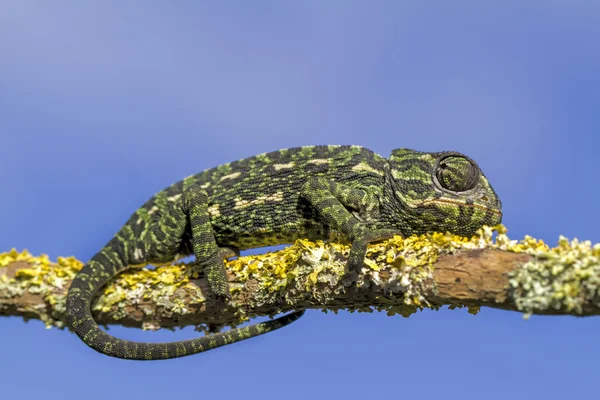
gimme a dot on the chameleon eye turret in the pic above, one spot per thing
(456, 174)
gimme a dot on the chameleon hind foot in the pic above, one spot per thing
(216, 274)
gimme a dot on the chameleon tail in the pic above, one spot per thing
(101, 268)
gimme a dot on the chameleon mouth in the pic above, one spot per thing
(457, 203)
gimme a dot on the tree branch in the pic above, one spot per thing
(400, 276)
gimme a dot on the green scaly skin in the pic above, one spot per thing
(275, 198)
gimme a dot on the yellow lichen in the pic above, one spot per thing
(564, 277)
(13, 256)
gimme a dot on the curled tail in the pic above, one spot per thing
(101, 268)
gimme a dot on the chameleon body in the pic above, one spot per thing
(276, 198)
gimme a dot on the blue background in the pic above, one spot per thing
(104, 103)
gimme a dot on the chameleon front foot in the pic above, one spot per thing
(358, 250)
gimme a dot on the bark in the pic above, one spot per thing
(400, 277)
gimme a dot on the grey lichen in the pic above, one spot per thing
(566, 277)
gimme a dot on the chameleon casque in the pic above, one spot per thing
(276, 198)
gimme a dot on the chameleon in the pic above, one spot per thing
(275, 198)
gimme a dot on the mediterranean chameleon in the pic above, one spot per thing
(276, 198)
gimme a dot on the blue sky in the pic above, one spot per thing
(104, 103)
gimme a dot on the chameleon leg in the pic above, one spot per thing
(332, 200)
(209, 257)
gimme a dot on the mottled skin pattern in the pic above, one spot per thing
(275, 198)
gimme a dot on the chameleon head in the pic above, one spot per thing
(443, 192)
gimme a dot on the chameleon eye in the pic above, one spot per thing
(457, 174)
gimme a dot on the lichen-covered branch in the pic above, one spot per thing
(400, 276)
